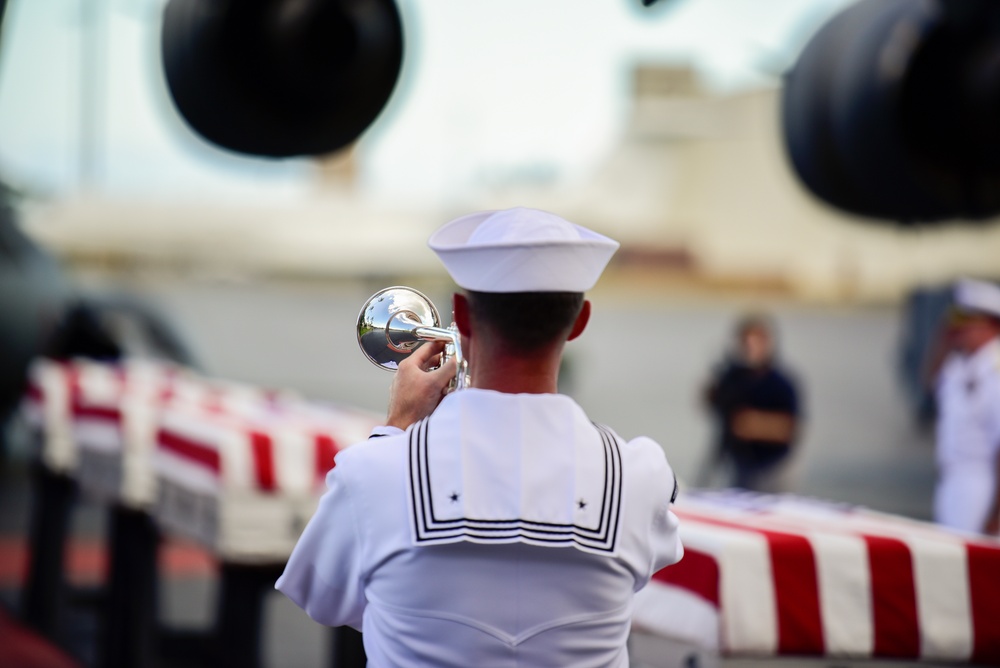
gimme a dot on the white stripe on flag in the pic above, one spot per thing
(294, 460)
(844, 594)
(747, 594)
(673, 612)
(746, 587)
(185, 473)
(941, 574)
(237, 458)
(97, 434)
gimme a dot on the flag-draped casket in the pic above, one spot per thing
(783, 575)
(234, 466)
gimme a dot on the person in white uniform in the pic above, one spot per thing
(968, 427)
(497, 526)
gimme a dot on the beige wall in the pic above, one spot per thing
(694, 175)
(711, 173)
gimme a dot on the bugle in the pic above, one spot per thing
(396, 320)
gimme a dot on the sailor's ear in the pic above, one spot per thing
(460, 311)
(581, 321)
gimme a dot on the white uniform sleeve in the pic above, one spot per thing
(667, 547)
(665, 536)
(658, 484)
(324, 576)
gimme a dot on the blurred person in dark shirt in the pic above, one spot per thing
(757, 408)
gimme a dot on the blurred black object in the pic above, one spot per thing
(80, 333)
(108, 327)
(924, 314)
(281, 78)
(893, 110)
(33, 292)
(41, 313)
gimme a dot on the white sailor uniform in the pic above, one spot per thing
(968, 437)
(503, 530)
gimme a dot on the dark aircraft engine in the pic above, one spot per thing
(281, 78)
(893, 110)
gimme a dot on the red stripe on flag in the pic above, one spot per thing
(97, 412)
(796, 585)
(84, 410)
(984, 592)
(894, 598)
(263, 460)
(697, 572)
(796, 592)
(326, 450)
(190, 450)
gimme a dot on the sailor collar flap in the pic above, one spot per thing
(497, 468)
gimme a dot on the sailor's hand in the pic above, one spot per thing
(417, 388)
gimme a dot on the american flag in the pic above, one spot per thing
(784, 575)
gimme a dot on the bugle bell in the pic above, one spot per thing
(396, 320)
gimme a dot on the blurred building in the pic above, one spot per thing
(701, 184)
(698, 190)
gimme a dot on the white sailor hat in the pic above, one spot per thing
(521, 250)
(978, 296)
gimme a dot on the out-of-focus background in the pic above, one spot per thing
(657, 126)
